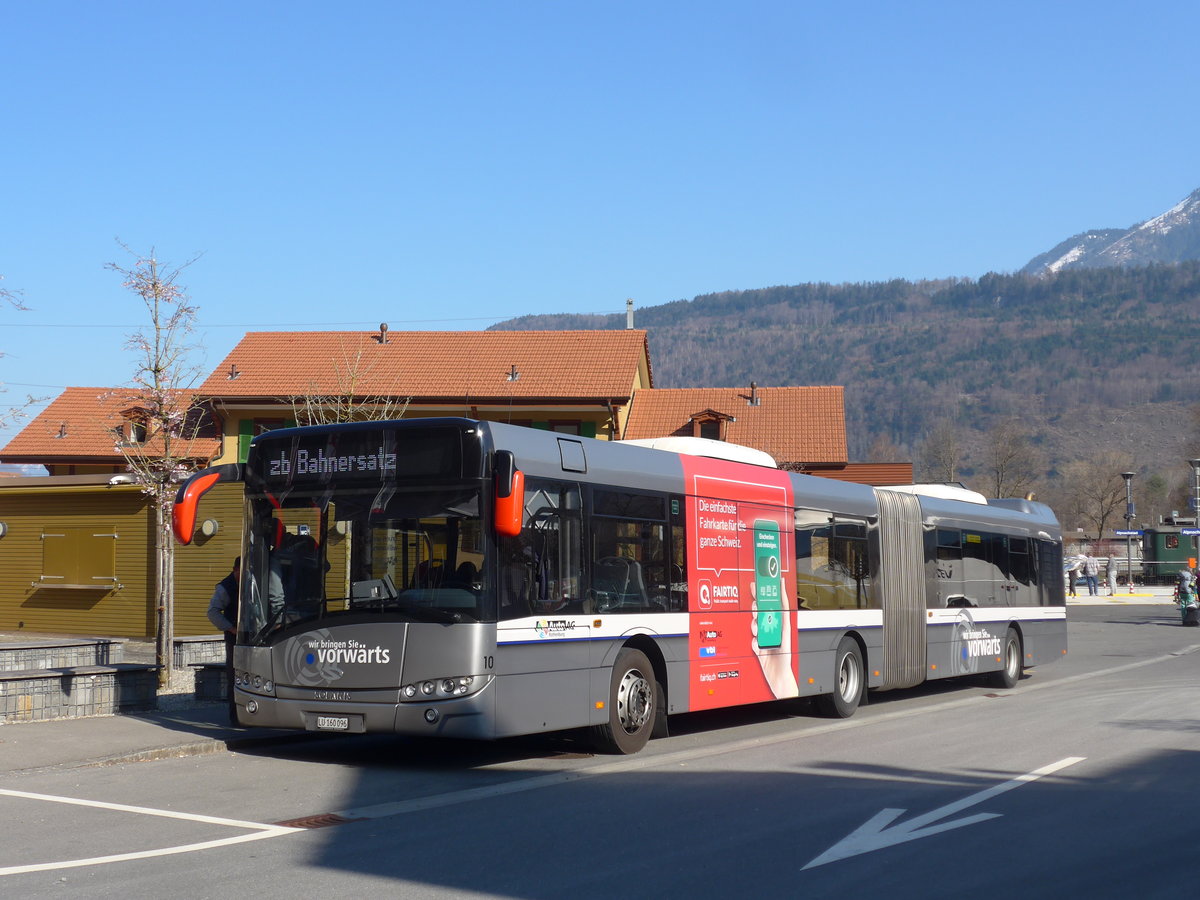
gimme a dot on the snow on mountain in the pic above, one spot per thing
(1171, 237)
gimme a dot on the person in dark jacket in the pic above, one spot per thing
(223, 613)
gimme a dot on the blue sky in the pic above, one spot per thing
(447, 165)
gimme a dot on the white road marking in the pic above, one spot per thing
(875, 834)
(258, 831)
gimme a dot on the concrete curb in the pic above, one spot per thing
(182, 750)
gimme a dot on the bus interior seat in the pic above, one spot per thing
(617, 581)
(465, 576)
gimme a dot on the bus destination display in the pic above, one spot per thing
(368, 455)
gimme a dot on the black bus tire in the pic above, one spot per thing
(849, 682)
(632, 705)
(1010, 670)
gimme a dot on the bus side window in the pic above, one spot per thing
(1024, 592)
(1049, 565)
(630, 571)
(851, 563)
(540, 567)
(677, 576)
(807, 595)
(812, 555)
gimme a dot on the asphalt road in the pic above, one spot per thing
(1082, 781)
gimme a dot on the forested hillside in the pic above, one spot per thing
(1083, 361)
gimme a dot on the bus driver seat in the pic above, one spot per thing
(616, 582)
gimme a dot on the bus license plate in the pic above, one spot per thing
(333, 723)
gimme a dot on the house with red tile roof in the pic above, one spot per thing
(802, 428)
(89, 430)
(579, 382)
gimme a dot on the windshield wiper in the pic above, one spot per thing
(429, 613)
(270, 625)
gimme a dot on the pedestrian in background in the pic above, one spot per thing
(1073, 567)
(223, 613)
(1112, 577)
(1091, 569)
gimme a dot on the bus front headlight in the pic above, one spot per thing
(450, 686)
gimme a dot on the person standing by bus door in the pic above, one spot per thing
(1091, 569)
(223, 613)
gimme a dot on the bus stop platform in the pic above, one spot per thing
(1141, 595)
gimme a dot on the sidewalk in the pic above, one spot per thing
(181, 726)
(195, 730)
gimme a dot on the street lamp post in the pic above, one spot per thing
(1195, 464)
(1128, 476)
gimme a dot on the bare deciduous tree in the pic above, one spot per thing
(11, 414)
(345, 403)
(161, 423)
(884, 450)
(1094, 491)
(1151, 494)
(942, 453)
(1010, 461)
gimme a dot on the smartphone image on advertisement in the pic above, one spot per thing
(768, 585)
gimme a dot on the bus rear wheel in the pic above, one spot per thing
(849, 682)
(632, 705)
(1010, 673)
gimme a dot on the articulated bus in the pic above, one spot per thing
(472, 579)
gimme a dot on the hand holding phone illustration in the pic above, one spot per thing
(769, 624)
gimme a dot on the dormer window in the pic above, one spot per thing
(711, 424)
(134, 428)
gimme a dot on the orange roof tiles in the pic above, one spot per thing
(77, 427)
(878, 474)
(433, 365)
(793, 424)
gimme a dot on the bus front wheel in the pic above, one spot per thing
(848, 682)
(632, 704)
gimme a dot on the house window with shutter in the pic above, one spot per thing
(79, 557)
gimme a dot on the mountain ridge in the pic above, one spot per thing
(1085, 359)
(1170, 237)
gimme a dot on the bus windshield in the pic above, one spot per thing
(406, 553)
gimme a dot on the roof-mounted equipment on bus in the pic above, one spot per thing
(698, 446)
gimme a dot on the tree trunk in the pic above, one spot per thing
(164, 552)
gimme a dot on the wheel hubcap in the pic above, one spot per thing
(848, 679)
(635, 701)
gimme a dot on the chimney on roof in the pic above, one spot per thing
(513, 374)
(754, 398)
(383, 332)
(233, 371)
(62, 430)
(629, 313)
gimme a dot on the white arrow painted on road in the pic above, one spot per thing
(874, 834)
